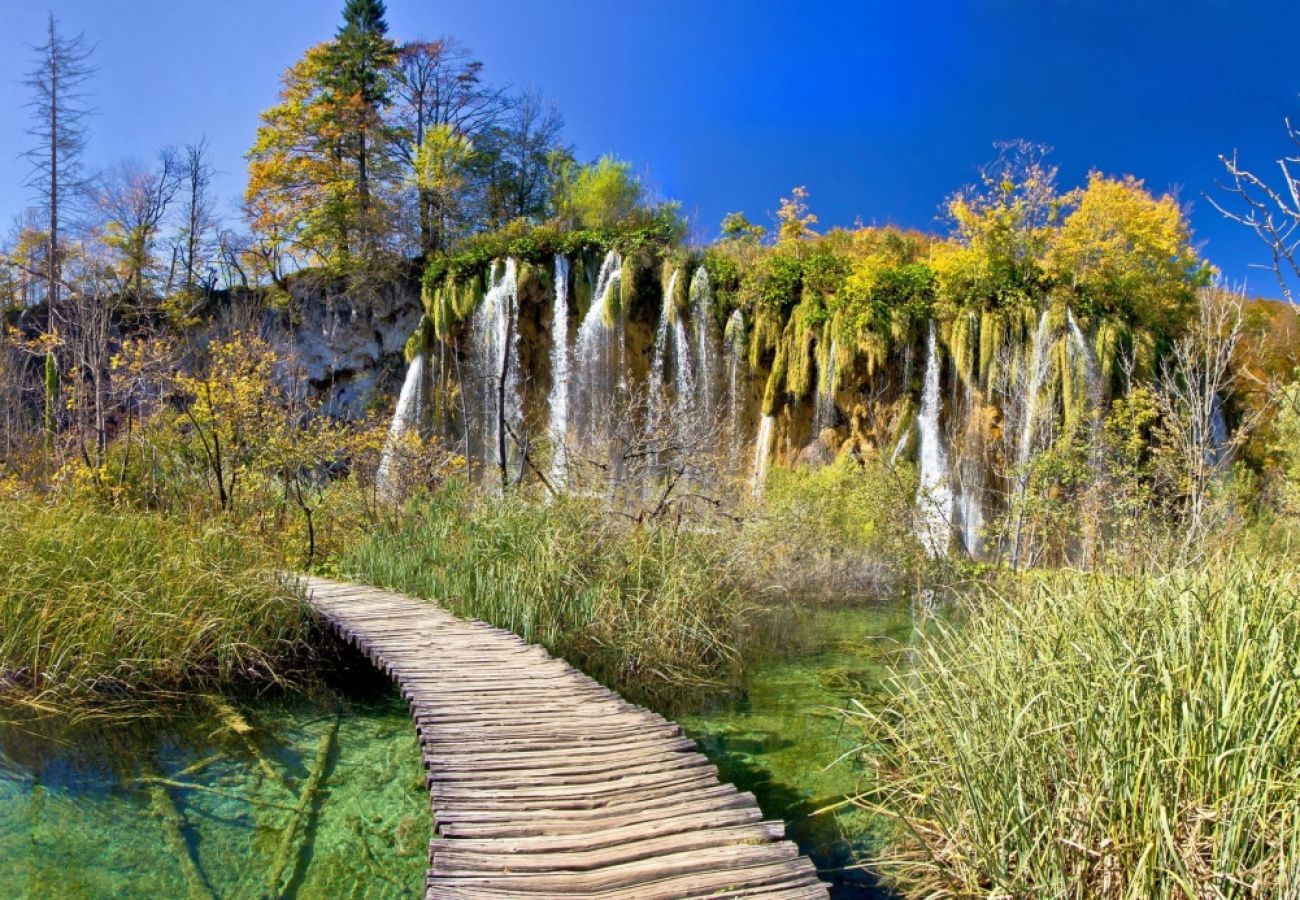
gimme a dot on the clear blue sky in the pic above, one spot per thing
(880, 108)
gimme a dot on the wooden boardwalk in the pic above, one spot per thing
(546, 784)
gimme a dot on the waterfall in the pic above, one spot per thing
(1218, 434)
(705, 373)
(406, 417)
(733, 338)
(597, 360)
(1086, 354)
(559, 399)
(762, 449)
(496, 336)
(824, 402)
(970, 506)
(659, 359)
(901, 445)
(934, 495)
(685, 405)
(972, 520)
(1029, 419)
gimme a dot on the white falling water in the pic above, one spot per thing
(597, 358)
(1218, 434)
(1085, 353)
(559, 399)
(733, 338)
(762, 449)
(934, 494)
(824, 402)
(970, 506)
(1029, 417)
(406, 417)
(683, 375)
(497, 336)
(901, 445)
(705, 380)
(659, 362)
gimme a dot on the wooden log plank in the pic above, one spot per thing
(546, 784)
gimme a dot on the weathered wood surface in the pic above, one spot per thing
(546, 784)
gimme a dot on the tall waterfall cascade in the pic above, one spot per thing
(762, 453)
(733, 348)
(496, 336)
(934, 493)
(706, 348)
(598, 354)
(824, 401)
(406, 418)
(558, 402)
(643, 380)
(1038, 360)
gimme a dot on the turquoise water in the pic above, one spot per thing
(319, 797)
(323, 796)
(785, 741)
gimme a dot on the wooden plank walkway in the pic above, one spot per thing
(546, 784)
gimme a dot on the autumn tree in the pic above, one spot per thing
(438, 85)
(321, 172)
(1001, 226)
(133, 199)
(793, 220)
(1122, 251)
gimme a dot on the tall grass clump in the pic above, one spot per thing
(102, 607)
(649, 609)
(1091, 736)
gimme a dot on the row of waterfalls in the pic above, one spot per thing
(577, 380)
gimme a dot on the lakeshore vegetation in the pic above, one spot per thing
(1101, 695)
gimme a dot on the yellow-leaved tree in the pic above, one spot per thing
(1123, 252)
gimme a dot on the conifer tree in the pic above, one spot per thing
(363, 58)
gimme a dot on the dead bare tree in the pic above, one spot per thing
(1272, 211)
(59, 126)
(192, 244)
(1195, 381)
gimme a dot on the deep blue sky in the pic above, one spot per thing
(880, 108)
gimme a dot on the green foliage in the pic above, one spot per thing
(736, 226)
(600, 195)
(1100, 736)
(650, 610)
(105, 607)
(51, 391)
(845, 528)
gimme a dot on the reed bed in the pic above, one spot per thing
(1093, 736)
(650, 610)
(101, 608)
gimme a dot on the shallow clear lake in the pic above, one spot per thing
(785, 740)
(218, 802)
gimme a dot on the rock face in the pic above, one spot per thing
(348, 352)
